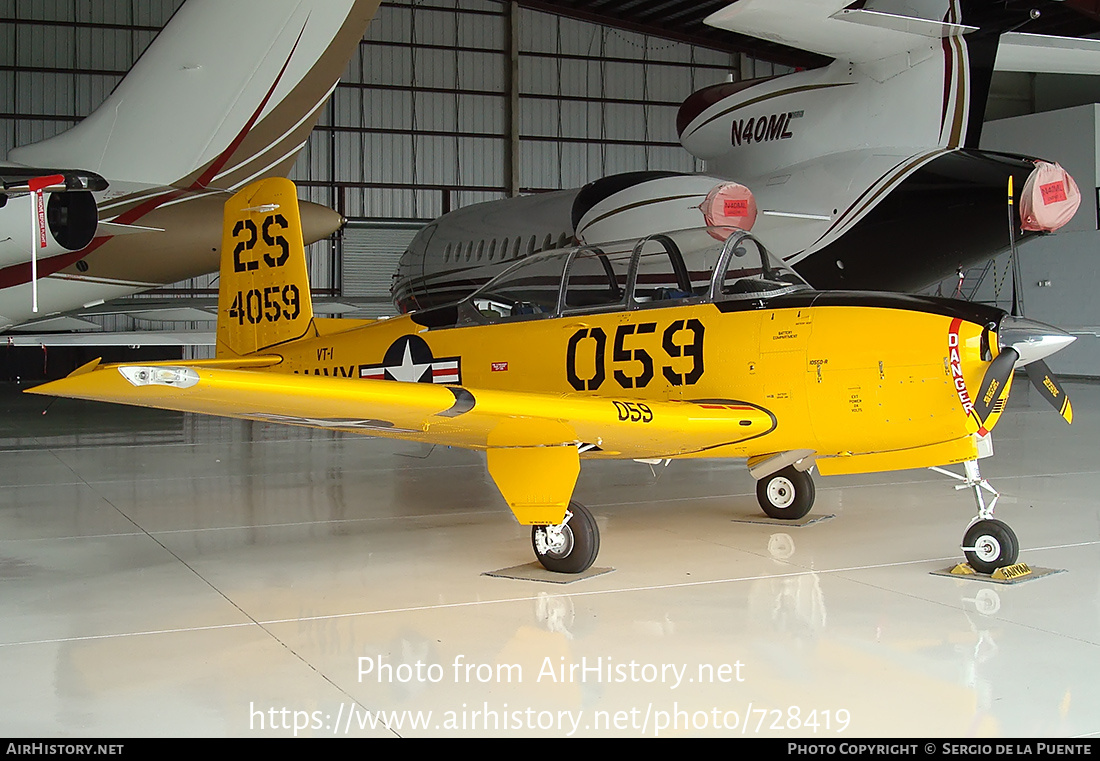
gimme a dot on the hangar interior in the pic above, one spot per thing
(170, 574)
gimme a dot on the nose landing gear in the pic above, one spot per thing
(988, 544)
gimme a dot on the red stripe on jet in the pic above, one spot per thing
(223, 158)
(18, 274)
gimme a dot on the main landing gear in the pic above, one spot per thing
(787, 494)
(988, 544)
(570, 547)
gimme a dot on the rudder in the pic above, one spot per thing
(263, 292)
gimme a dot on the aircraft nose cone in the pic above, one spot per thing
(1031, 339)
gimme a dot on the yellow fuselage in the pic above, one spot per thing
(838, 380)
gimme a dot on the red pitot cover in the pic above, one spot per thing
(1049, 199)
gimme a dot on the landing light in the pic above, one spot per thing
(176, 377)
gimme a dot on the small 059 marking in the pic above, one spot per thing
(634, 412)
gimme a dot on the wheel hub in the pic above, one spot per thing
(781, 492)
(556, 541)
(987, 548)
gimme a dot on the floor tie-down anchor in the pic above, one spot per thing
(988, 544)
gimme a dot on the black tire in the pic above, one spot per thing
(580, 543)
(994, 546)
(787, 494)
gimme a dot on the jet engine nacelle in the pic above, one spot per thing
(637, 204)
(70, 223)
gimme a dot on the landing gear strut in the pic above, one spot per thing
(988, 544)
(571, 546)
(787, 494)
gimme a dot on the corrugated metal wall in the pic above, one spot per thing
(419, 123)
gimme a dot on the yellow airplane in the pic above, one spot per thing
(688, 344)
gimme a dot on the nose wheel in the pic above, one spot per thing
(572, 545)
(989, 545)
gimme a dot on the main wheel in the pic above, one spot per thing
(989, 545)
(570, 547)
(787, 494)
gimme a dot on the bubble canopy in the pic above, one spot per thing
(694, 266)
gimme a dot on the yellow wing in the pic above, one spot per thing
(448, 415)
(533, 441)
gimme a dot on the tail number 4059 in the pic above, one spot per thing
(269, 303)
(633, 365)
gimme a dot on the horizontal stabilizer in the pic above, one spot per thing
(129, 338)
(830, 28)
(1046, 54)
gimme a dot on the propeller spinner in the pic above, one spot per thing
(1025, 343)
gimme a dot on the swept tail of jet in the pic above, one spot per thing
(227, 93)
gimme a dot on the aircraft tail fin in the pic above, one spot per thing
(228, 92)
(263, 293)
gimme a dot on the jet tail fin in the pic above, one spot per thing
(263, 293)
(226, 93)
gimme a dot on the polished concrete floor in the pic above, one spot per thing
(165, 574)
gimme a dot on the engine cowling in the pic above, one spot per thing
(70, 222)
(637, 204)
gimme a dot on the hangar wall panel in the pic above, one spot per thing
(369, 252)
